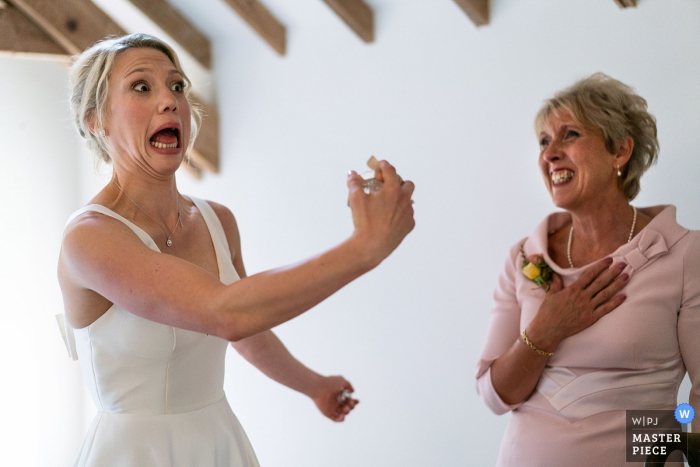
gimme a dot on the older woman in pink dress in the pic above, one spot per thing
(616, 325)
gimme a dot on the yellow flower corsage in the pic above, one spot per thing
(536, 269)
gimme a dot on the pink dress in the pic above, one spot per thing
(633, 358)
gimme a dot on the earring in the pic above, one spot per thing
(102, 133)
(619, 173)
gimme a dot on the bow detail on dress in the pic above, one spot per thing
(650, 245)
(68, 336)
(578, 397)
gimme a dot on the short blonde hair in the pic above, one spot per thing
(600, 102)
(89, 84)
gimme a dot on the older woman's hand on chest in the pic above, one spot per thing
(567, 311)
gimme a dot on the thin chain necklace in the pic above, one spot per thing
(179, 217)
(571, 235)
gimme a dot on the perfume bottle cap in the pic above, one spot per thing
(373, 164)
(369, 175)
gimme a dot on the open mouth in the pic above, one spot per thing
(561, 176)
(166, 138)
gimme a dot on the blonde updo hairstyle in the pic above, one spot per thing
(89, 84)
(602, 103)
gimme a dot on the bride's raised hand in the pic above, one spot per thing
(382, 219)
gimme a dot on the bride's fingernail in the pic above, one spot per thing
(608, 260)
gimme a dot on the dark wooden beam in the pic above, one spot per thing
(262, 21)
(626, 3)
(173, 23)
(356, 14)
(205, 152)
(192, 168)
(20, 34)
(477, 10)
(74, 24)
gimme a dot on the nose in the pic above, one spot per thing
(167, 101)
(552, 152)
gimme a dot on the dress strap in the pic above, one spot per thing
(216, 230)
(145, 238)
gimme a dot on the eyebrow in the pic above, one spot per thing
(569, 126)
(148, 70)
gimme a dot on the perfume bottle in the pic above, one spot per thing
(343, 396)
(370, 182)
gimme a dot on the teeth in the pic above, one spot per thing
(561, 176)
(162, 145)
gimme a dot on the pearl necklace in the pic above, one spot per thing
(178, 222)
(571, 236)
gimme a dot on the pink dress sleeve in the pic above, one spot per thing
(503, 330)
(689, 321)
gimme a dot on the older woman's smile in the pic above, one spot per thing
(561, 176)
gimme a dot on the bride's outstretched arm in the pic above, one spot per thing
(269, 355)
(105, 256)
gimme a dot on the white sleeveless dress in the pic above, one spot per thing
(158, 389)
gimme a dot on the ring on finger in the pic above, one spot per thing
(343, 396)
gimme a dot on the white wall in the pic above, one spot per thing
(42, 393)
(451, 106)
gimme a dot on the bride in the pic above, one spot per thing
(154, 284)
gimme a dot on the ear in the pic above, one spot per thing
(624, 151)
(91, 123)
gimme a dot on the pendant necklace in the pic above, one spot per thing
(571, 235)
(169, 242)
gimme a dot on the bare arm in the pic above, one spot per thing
(269, 355)
(104, 256)
(564, 312)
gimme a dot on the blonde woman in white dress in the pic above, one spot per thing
(154, 284)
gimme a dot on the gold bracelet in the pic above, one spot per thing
(532, 346)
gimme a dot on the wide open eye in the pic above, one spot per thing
(140, 86)
(178, 87)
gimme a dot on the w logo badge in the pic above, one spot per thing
(684, 413)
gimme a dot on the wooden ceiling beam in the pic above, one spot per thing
(477, 10)
(173, 23)
(21, 35)
(261, 20)
(74, 24)
(205, 152)
(192, 168)
(626, 3)
(356, 14)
